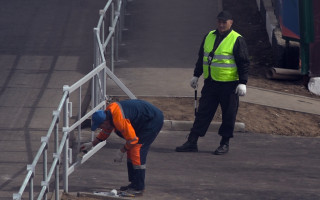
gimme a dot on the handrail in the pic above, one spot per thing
(86, 78)
(100, 46)
(31, 168)
(105, 9)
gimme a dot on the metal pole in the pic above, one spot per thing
(56, 144)
(116, 43)
(121, 19)
(112, 39)
(31, 168)
(306, 33)
(92, 92)
(117, 39)
(95, 64)
(31, 187)
(66, 145)
(45, 168)
(104, 77)
(79, 117)
(93, 67)
(103, 25)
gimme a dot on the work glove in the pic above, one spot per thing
(241, 90)
(194, 82)
(119, 156)
(86, 147)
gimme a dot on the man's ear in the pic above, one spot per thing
(109, 117)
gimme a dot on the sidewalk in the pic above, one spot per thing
(171, 85)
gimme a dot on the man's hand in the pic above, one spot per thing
(194, 82)
(241, 90)
(119, 156)
(86, 147)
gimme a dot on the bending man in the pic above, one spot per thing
(136, 121)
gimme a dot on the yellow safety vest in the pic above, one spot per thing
(223, 67)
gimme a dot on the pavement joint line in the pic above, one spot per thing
(283, 93)
(174, 125)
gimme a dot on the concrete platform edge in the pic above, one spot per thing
(174, 125)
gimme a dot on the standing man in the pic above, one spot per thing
(136, 121)
(223, 60)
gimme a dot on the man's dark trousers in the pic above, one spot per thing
(214, 93)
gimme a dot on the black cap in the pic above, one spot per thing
(224, 15)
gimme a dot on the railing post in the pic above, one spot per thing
(79, 117)
(104, 85)
(66, 145)
(117, 38)
(101, 12)
(31, 168)
(93, 90)
(45, 162)
(56, 145)
(95, 64)
(121, 18)
(112, 38)
(31, 188)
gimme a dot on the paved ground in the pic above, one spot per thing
(51, 45)
(44, 45)
(258, 167)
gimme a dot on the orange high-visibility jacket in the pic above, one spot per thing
(131, 119)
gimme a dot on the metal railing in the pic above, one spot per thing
(97, 78)
(101, 40)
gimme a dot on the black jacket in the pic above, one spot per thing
(240, 52)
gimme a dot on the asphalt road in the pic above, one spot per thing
(43, 46)
(48, 44)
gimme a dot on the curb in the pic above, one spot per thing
(92, 196)
(173, 125)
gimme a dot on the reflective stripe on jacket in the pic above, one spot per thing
(223, 66)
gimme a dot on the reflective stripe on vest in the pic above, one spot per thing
(139, 166)
(223, 67)
(219, 56)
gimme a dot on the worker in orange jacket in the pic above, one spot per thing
(139, 123)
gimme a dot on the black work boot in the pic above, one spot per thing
(187, 147)
(190, 145)
(127, 187)
(224, 146)
(222, 149)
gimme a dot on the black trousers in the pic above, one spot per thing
(214, 94)
(137, 167)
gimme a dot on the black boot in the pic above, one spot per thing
(222, 149)
(190, 145)
(224, 146)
